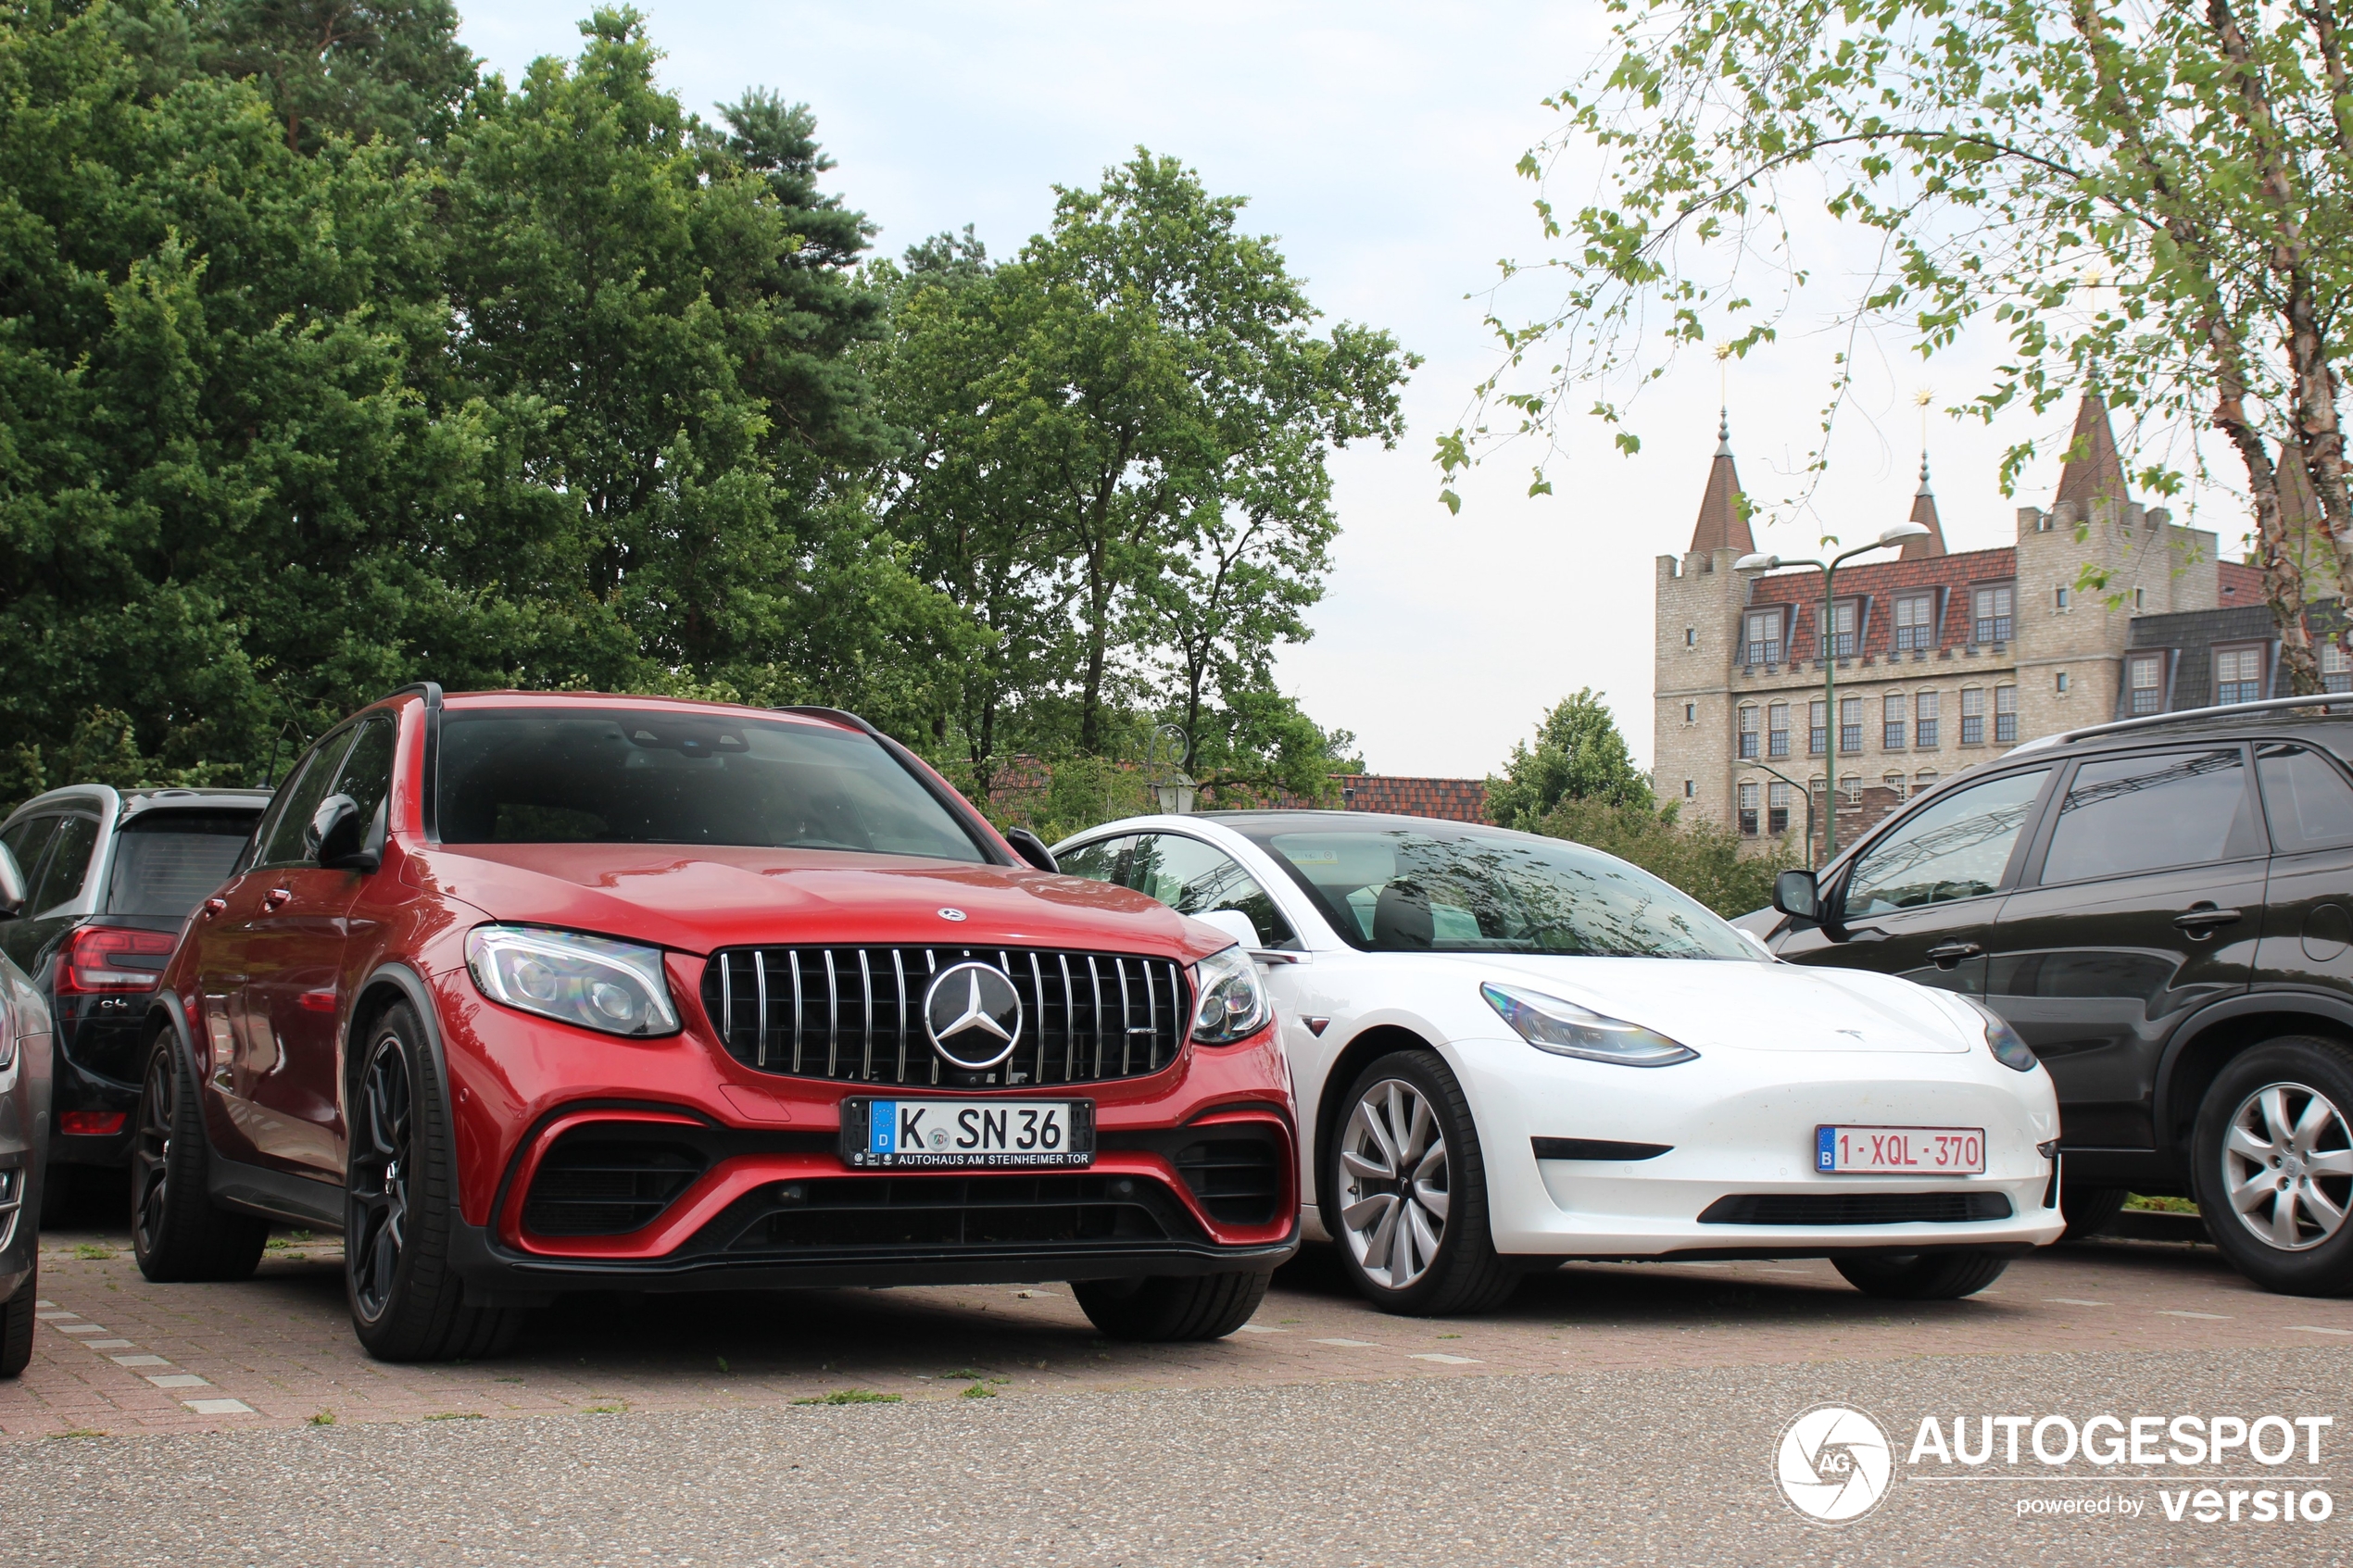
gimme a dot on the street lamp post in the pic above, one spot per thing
(1826, 649)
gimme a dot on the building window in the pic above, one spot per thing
(1777, 808)
(1894, 784)
(2006, 715)
(2238, 674)
(1817, 740)
(1690, 788)
(2336, 667)
(1850, 789)
(2140, 601)
(1924, 712)
(1916, 621)
(2058, 598)
(1748, 810)
(1691, 714)
(1973, 716)
(1850, 724)
(2144, 683)
(1924, 779)
(1846, 615)
(1891, 722)
(1993, 621)
(1748, 730)
(1764, 636)
(1691, 635)
(2058, 682)
(1777, 730)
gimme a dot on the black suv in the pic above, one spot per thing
(110, 879)
(2163, 909)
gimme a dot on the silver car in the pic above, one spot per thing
(25, 1065)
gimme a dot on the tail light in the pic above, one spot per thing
(99, 958)
(92, 1123)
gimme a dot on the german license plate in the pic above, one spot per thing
(948, 1135)
(1899, 1151)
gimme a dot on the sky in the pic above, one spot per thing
(1377, 142)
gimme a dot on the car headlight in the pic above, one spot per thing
(591, 981)
(1233, 1005)
(2003, 1040)
(1566, 1029)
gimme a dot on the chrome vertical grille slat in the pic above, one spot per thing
(1070, 1026)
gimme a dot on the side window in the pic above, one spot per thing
(290, 814)
(1192, 878)
(1952, 848)
(69, 865)
(2144, 813)
(2306, 798)
(26, 840)
(1099, 861)
(366, 775)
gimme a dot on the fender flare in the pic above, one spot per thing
(417, 995)
(2327, 1005)
(174, 1009)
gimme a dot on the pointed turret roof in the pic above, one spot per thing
(1924, 513)
(1720, 525)
(2094, 471)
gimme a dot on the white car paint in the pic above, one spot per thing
(1782, 1049)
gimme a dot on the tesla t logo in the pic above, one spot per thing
(973, 1015)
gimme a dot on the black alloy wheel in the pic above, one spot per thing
(177, 1234)
(377, 1226)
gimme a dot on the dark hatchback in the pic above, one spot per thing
(2163, 909)
(110, 878)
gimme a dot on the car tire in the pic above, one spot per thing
(400, 1207)
(1164, 1307)
(2089, 1210)
(16, 1324)
(1921, 1276)
(177, 1233)
(2274, 1131)
(1412, 1093)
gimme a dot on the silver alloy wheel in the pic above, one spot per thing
(1394, 1184)
(2287, 1165)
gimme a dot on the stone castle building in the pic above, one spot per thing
(1942, 659)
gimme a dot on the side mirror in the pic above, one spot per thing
(1796, 893)
(340, 836)
(12, 888)
(1234, 923)
(1032, 849)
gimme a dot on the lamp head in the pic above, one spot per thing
(1903, 532)
(1760, 563)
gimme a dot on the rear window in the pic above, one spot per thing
(167, 861)
(625, 776)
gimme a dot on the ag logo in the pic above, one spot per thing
(1833, 1464)
(973, 1014)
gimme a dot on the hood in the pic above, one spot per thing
(1765, 1007)
(697, 899)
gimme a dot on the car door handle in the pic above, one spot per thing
(215, 906)
(1948, 955)
(276, 896)
(2201, 916)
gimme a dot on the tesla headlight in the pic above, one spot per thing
(2003, 1040)
(1566, 1029)
(1233, 1004)
(591, 981)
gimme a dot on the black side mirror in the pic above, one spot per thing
(12, 888)
(340, 836)
(1032, 849)
(1796, 893)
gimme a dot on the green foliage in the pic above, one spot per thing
(357, 69)
(1578, 755)
(1702, 858)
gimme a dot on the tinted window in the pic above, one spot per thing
(1103, 860)
(299, 800)
(26, 840)
(1191, 878)
(1469, 890)
(1950, 848)
(2306, 800)
(2141, 813)
(167, 861)
(366, 769)
(67, 867)
(536, 776)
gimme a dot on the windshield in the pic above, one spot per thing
(1440, 889)
(640, 777)
(166, 861)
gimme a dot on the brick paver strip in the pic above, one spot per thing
(281, 1346)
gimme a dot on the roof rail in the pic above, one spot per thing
(838, 715)
(429, 690)
(2153, 721)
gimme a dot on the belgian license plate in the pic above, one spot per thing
(1900, 1151)
(948, 1135)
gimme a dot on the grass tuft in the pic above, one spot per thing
(327, 1418)
(849, 1397)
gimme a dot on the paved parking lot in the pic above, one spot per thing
(118, 1356)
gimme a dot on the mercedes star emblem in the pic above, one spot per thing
(951, 914)
(973, 1014)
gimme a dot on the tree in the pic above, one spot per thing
(1578, 755)
(2150, 203)
(354, 68)
(1707, 862)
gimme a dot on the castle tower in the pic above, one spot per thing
(1722, 524)
(1699, 599)
(1924, 513)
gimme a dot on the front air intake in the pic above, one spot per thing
(1857, 1209)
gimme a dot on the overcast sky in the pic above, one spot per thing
(1377, 142)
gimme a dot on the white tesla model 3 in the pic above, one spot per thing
(1511, 1050)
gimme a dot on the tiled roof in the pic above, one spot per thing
(1453, 800)
(2238, 583)
(1878, 582)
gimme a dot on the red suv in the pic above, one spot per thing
(528, 994)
